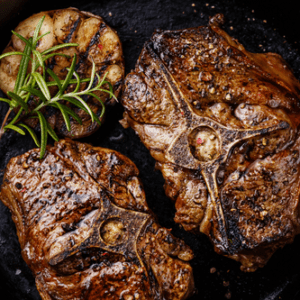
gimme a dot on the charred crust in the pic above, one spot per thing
(72, 30)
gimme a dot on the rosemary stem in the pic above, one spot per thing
(16, 118)
(4, 122)
(39, 107)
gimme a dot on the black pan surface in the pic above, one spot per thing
(261, 26)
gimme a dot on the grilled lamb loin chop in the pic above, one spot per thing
(222, 124)
(85, 228)
(97, 42)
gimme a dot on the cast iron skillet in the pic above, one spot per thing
(135, 21)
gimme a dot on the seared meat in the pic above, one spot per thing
(85, 228)
(222, 124)
(97, 42)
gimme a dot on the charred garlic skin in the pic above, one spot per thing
(98, 43)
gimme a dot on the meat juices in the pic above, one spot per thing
(86, 231)
(97, 42)
(222, 125)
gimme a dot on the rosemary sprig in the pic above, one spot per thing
(33, 83)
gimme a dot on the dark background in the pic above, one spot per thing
(261, 26)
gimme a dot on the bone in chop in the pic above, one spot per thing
(222, 125)
(86, 231)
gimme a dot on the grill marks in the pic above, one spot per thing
(94, 40)
(72, 31)
(83, 56)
